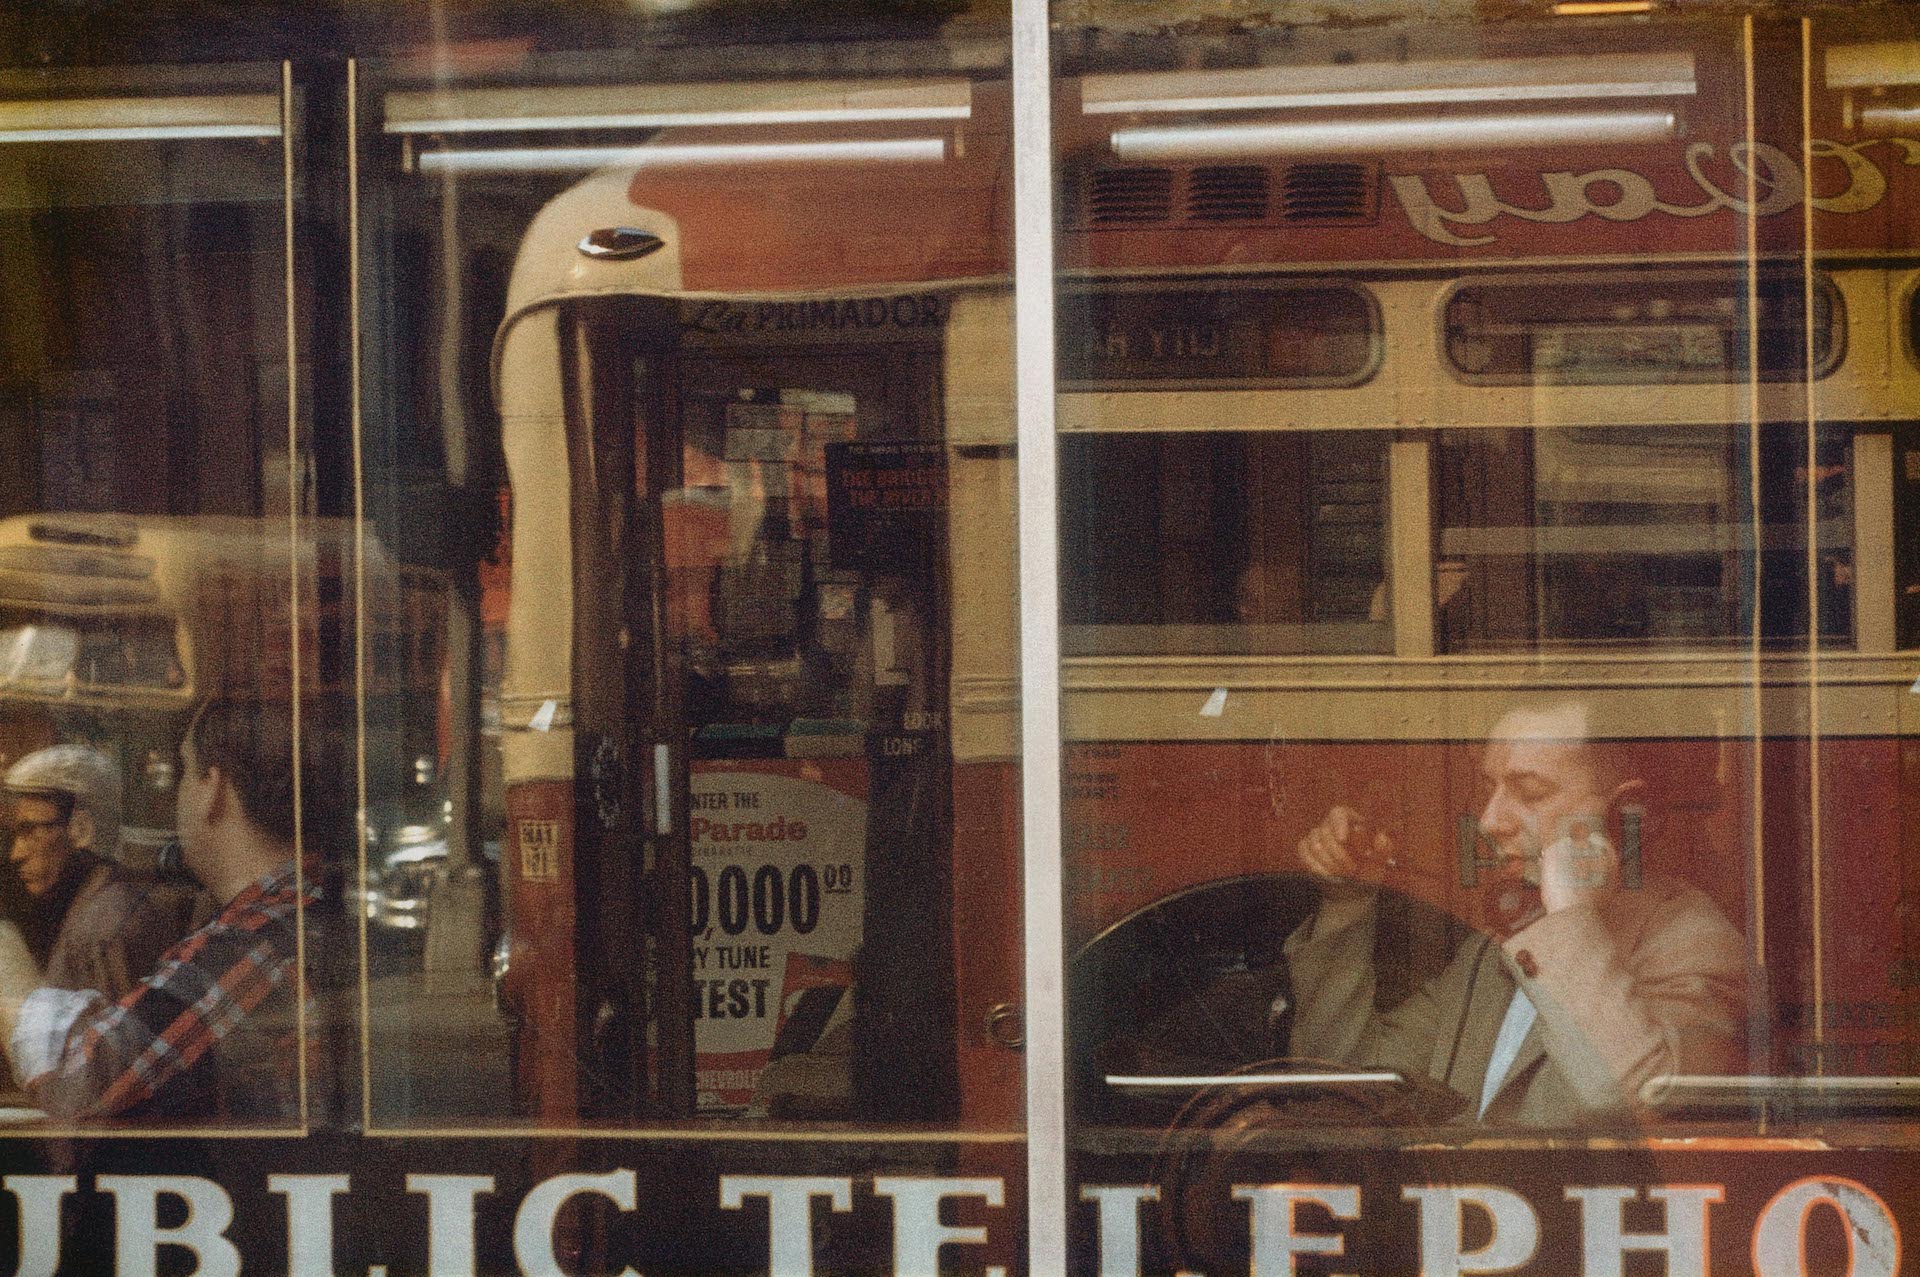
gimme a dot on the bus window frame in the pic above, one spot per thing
(1837, 350)
(1088, 285)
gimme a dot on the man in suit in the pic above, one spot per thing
(1596, 991)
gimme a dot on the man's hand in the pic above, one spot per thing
(1339, 852)
(19, 976)
(1580, 867)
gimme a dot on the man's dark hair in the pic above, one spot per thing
(252, 743)
(1612, 749)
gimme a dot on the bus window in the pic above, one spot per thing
(119, 652)
(1233, 543)
(1152, 337)
(1591, 327)
(1628, 535)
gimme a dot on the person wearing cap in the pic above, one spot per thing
(89, 922)
(216, 1030)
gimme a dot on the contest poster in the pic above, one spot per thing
(779, 851)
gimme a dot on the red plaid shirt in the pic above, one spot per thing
(139, 1054)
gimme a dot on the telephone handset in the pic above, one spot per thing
(1508, 901)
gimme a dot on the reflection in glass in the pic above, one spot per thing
(1635, 535)
(1229, 543)
(1652, 328)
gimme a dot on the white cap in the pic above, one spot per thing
(80, 773)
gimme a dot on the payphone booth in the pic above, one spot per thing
(732, 426)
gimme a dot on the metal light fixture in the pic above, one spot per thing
(575, 159)
(1877, 65)
(1598, 8)
(1882, 119)
(442, 111)
(239, 115)
(1415, 133)
(1393, 84)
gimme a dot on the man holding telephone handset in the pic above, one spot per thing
(1594, 990)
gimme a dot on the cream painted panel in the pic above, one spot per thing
(540, 608)
(986, 611)
(979, 368)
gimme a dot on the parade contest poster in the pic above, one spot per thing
(778, 866)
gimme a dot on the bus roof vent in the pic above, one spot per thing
(1229, 193)
(1129, 196)
(1328, 193)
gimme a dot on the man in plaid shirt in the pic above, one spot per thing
(213, 1031)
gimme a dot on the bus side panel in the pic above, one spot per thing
(988, 933)
(542, 986)
(1869, 899)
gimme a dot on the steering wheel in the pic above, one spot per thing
(1262, 1131)
(1196, 983)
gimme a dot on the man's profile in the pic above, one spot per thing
(211, 1031)
(89, 922)
(1597, 989)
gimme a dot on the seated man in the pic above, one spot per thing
(89, 923)
(1561, 1021)
(212, 1031)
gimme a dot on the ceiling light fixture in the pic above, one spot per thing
(1426, 133)
(1596, 76)
(250, 115)
(921, 150)
(675, 106)
(1596, 8)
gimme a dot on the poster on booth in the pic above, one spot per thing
(779, 852)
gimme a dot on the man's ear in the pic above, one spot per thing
(80, 828)
(219, 793)
(1625, 792)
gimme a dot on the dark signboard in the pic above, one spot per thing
(883, 499)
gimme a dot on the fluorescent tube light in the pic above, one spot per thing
(675, 106)
(155, 133)
(1423, 133)
(1888, 118)
(249, 115)
(685, 155)
(1392, 84)
(1593, 8)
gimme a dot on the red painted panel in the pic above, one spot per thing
(989, 939)
(542, 986)
(1870, 913)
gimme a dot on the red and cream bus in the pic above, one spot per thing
(1391, 385)
(114, 627)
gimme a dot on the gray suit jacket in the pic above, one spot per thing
(1649, 982)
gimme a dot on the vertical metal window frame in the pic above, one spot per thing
(1040, 760)
(355, 408)
(1814, 812)
(1757, 812)
(294, 489)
